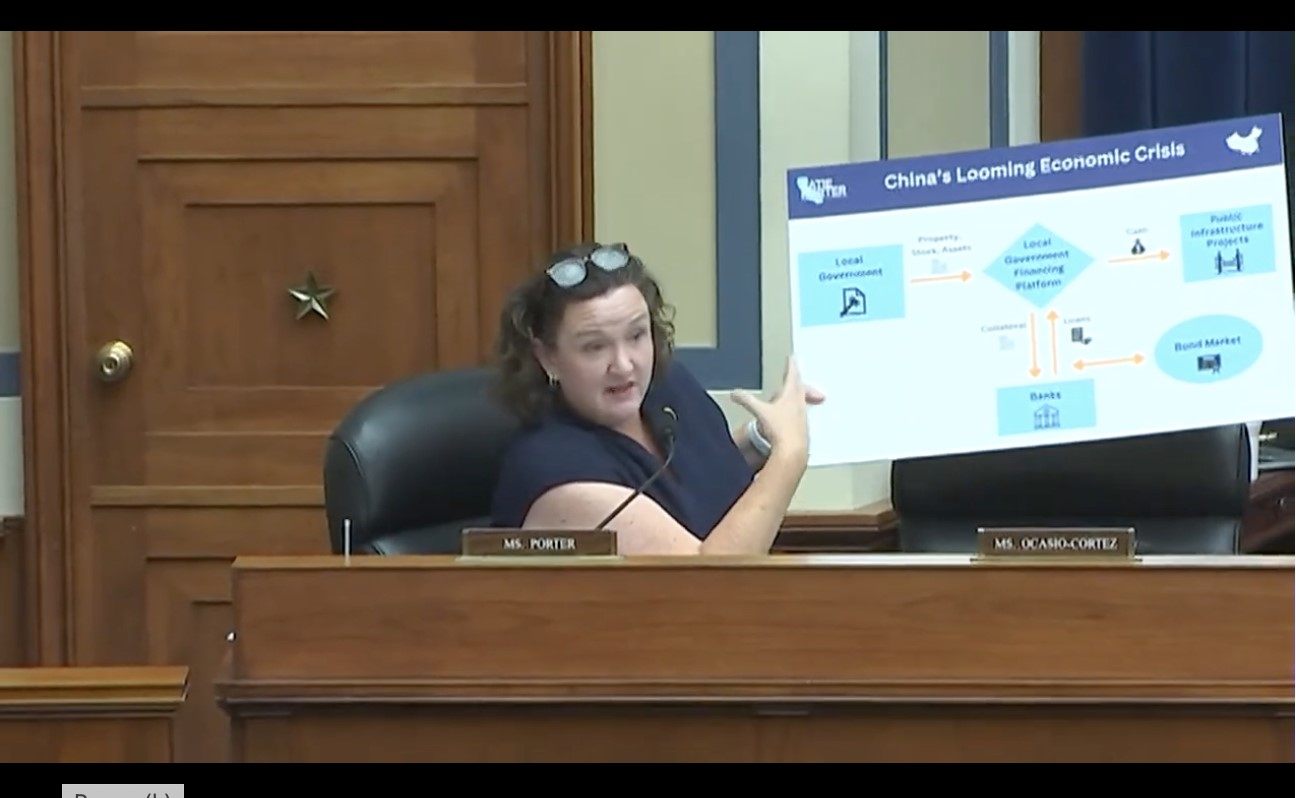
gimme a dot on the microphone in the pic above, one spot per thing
(669, 426)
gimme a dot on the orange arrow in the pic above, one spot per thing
(1083, 364)
(1034, 369)
(1162, 255)
(964, 276)
(1052, 317)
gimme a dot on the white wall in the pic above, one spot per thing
(1023, 86)
(654, 163)
(816, 88)
(938, 91)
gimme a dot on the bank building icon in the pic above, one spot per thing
(1047, 417)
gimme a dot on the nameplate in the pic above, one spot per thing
(495, 542)
(1054, 543)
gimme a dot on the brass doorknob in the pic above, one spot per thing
(114, 361)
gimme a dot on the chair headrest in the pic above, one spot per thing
(1186, 473)
(419, 452)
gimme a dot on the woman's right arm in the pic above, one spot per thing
(752, 523)
(644, 527)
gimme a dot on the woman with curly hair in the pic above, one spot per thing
(585, 361)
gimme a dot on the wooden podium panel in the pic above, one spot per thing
(90, 714)
(782, 658)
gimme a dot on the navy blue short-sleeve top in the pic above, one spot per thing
(705, 478)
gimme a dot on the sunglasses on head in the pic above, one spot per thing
(570, 272)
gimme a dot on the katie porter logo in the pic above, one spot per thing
(818, 189)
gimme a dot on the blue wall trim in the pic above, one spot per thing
(735, 360)
(8, 374)
(998, 88)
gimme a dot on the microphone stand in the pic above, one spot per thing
(669, 431)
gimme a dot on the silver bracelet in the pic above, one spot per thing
(757, 440)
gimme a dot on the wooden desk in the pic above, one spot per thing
(796, 657)
(108, 714)
(871, 528)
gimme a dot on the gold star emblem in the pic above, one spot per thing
(311, 297)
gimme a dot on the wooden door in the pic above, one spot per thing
(180, 193)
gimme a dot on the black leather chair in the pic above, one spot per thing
(1182, 492)
(414, 463)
